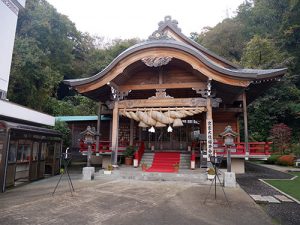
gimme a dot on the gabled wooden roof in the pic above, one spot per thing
(168, 41)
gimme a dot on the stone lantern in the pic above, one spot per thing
(228, 136)
(89, 139)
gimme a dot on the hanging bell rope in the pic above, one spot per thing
(152, 117)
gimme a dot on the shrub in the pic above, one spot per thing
(286, 160)
(281, 136)
(272, 159)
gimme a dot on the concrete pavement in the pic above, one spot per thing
(110, 201)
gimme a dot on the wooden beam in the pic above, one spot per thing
(200, 85)
(165, 102)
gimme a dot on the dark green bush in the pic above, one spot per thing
(130, 150)
(272, 159)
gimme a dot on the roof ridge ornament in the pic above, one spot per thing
(156, 61)
(168, 21)
(160, 34)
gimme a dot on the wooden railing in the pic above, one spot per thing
(104, 147)
(255, 148)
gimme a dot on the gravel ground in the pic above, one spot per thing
(283, 213)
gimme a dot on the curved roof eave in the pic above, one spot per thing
(244, 74)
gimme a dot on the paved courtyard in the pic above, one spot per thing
(119, 201)
(285, 213)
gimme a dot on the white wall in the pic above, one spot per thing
(8, 23)
(13, 110)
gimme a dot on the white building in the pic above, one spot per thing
(9, 10)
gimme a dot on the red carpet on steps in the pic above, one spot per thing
(164, 161)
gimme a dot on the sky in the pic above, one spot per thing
(139, 18)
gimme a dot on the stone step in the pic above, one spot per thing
(137, 174)
(185, 160)
(264, 199)
(147, 157)
(283, 198)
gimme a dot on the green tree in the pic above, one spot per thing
(63, 128)
(43, 54)
(261, 53)
(225, 39)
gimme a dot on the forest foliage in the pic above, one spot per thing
(262, 34)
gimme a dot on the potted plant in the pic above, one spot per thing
(128, 153)
(144, 166)
(176, 167)
(109, 169)
(211, 173)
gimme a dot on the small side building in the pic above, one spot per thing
(29, 150)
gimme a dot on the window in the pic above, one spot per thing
(12, 153)
(23, 153)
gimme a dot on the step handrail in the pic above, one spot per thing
(139, 153)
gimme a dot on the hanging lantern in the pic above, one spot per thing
(177, 123)
(152, 130)
(170, 129)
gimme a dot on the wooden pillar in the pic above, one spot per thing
(209, 129)
(114, 133)
(131, 132)
(245, 125)
(110, 130)
(98, 126)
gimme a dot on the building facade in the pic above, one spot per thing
(177, 95)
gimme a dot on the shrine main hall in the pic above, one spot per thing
(175, 96)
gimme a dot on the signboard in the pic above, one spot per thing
(209, 139)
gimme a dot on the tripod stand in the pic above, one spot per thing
(216, 162)
(66, 159)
